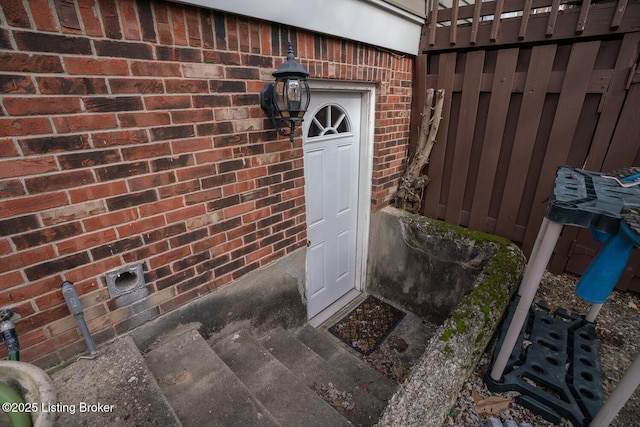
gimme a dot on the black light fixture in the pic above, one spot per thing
(286, 100)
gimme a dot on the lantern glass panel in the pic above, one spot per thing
(281, 97)
(293, 94)
(291, 97)
(305, 98)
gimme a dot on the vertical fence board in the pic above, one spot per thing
(583, 248)
(498, 109)
(584, 130)
(631, 273)
(553, 17)
(528, 121)
(474, 161)
(420, 87)
(476, 21)
(466, 125)
(453, 29)
(574, 89)
(625, 141)
(582, 19)
(433, 19)
(450, 150)
(526, 12)
(527, 201)
(495, 26)
(446, 74)
(558, 262)
(617, 17)
(502, 168)
(634, 283)
(613, 101)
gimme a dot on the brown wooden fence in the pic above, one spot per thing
(548, 83)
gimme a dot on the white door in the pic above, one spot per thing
(331, 159)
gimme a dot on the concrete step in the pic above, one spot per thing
(339, 390)
(284, 395)
(331, 350)
(119, 378)
(201, 388)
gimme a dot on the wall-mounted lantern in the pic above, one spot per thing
(286, 100)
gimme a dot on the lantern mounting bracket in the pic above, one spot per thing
(286, 100)
(268, 106)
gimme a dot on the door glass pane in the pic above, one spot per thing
(329, 120)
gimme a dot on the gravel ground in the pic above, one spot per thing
(618, 329)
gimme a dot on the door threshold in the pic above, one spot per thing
(334, 308)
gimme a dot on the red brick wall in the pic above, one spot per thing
(131, 132)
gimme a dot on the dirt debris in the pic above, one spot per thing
(341, 401)
(388, 360)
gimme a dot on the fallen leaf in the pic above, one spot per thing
(633, 305)
(398, 372)
(492, 405)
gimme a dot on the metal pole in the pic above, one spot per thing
(623, 391)
(529, 289)
(593, 312)
(534, 254)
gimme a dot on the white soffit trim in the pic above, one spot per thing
(373, 21)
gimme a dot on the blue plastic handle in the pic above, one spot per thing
(607, 266)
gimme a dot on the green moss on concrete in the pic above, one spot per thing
(442, 227)
(495, 286)
(60, 366)
(425, 265)
(503, 266)
(429, 393)
(447, 334)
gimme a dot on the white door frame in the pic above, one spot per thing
(365, 170)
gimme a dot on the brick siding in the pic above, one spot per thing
(130, 131)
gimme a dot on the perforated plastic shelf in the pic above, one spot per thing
(554, 365)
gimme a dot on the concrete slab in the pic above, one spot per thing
(415, 331)
(201, 388)
(286, 397)
(353, 402)
(120, 381)
(261, 300)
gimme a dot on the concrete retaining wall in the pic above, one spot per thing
(423, 265)
(479, 284)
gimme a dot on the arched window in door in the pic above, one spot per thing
(330, 119)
